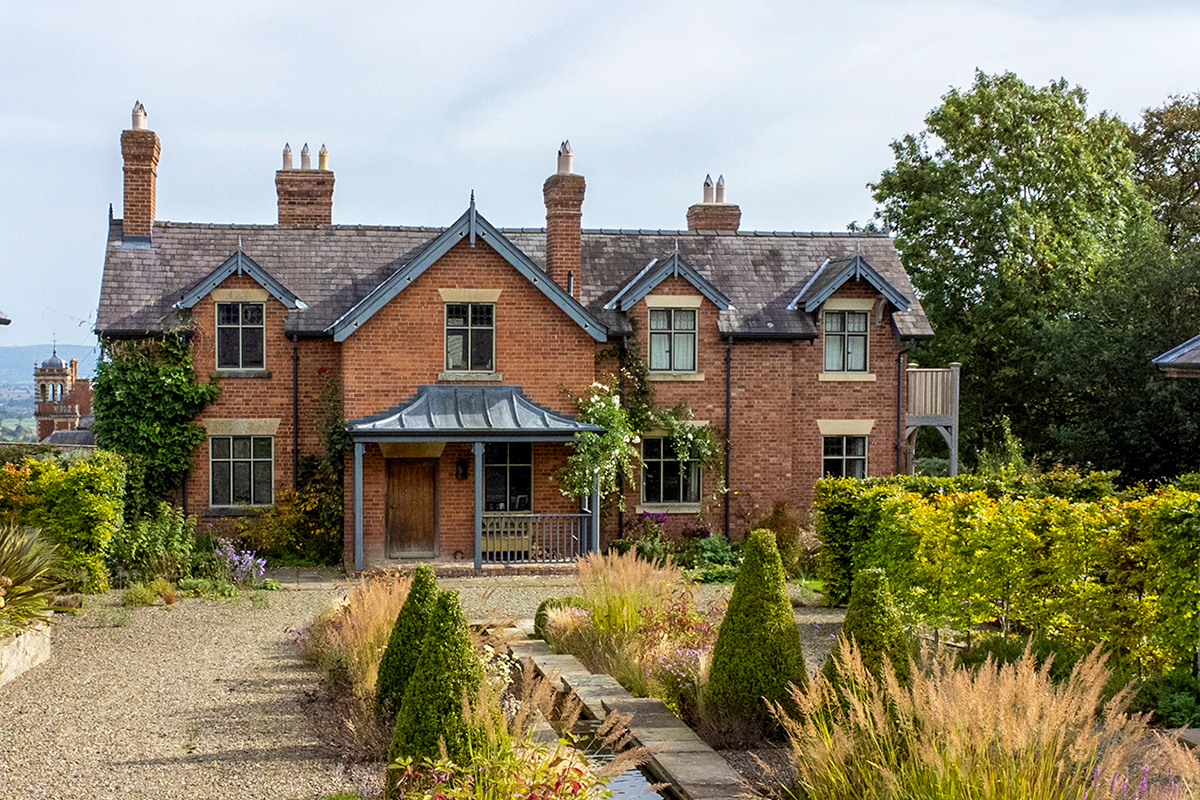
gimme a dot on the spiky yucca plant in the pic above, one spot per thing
(27, 560)
(999, 732)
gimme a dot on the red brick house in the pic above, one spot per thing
(451, 348)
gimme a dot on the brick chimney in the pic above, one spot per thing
(563, 193)
(714, 214)
(305, 194)
(140, 148)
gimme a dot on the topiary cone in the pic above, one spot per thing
(403, 650)
(873, 622)
(432, 710)
(758, 647)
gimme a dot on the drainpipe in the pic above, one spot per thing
(295, 411)
(728, 422)
(900, 408)
(620, 473)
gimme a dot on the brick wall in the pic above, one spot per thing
(777, 398)
(305, 197)
(563, 195)
(140, 150)
(262, 397)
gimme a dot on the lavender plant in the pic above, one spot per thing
(239, 566)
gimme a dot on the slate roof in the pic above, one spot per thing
(502, 412)
(78, 438)
(1183, 360)
(331, 268)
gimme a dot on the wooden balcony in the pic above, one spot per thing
(932, 396)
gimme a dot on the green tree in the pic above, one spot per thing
(146, 399)
(1002, 209)
(1166, 146)
(1119, 411)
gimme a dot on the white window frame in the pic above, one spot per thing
(837, 341)
(673, 334)
(241, 327)
(231, 460)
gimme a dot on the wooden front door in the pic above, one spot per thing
(411, 507)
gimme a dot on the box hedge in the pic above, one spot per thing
(874, 624)
(757, 653)
(403, 650)
(448, 671)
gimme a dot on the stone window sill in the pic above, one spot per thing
(490, 377)
(676, 376)
(240, 373)
(668, 508)
(852, 377)
(231, 511)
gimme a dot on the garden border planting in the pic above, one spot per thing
(23, 652)
(678, 756)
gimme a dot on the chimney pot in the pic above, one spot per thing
(323, 159)
(708, 189)
(721, 189)
(305, 158)
(139, 116)
(566, 159)
(287, 156)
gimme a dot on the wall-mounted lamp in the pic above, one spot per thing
(462, 469)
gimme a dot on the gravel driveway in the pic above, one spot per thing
(208, 699)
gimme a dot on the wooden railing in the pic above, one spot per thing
(932, 392)
(535, 538)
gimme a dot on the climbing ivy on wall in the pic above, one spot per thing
(146, 398)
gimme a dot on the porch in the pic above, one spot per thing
(461, 473)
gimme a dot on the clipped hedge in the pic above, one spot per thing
(873, 622)
(448, 671)
(403, 651)
(1119, 572)
(758, 646)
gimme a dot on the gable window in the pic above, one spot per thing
(845, 456)
(673, 339)
(845, 341)
(240, 335)
(241, 470)
(470, 336)
(508, 476)
(664, 478)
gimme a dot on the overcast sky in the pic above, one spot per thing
(795, 103)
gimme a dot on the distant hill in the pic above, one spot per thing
(16, 361)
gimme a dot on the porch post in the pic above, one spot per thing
(595, 543)
(477, 449)
(358, 506)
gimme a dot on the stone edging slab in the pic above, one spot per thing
(680, 758)
(23, 651)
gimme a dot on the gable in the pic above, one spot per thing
(832, 275)
(239, 264)
(655, 273)
(472, 228)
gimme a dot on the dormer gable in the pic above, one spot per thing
(835, 273)
(657, 271)
(473, 228)
(239, 264)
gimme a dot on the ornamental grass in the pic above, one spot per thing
(999, 732)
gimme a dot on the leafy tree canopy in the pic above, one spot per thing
(1002, 209)
(1166, 146)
